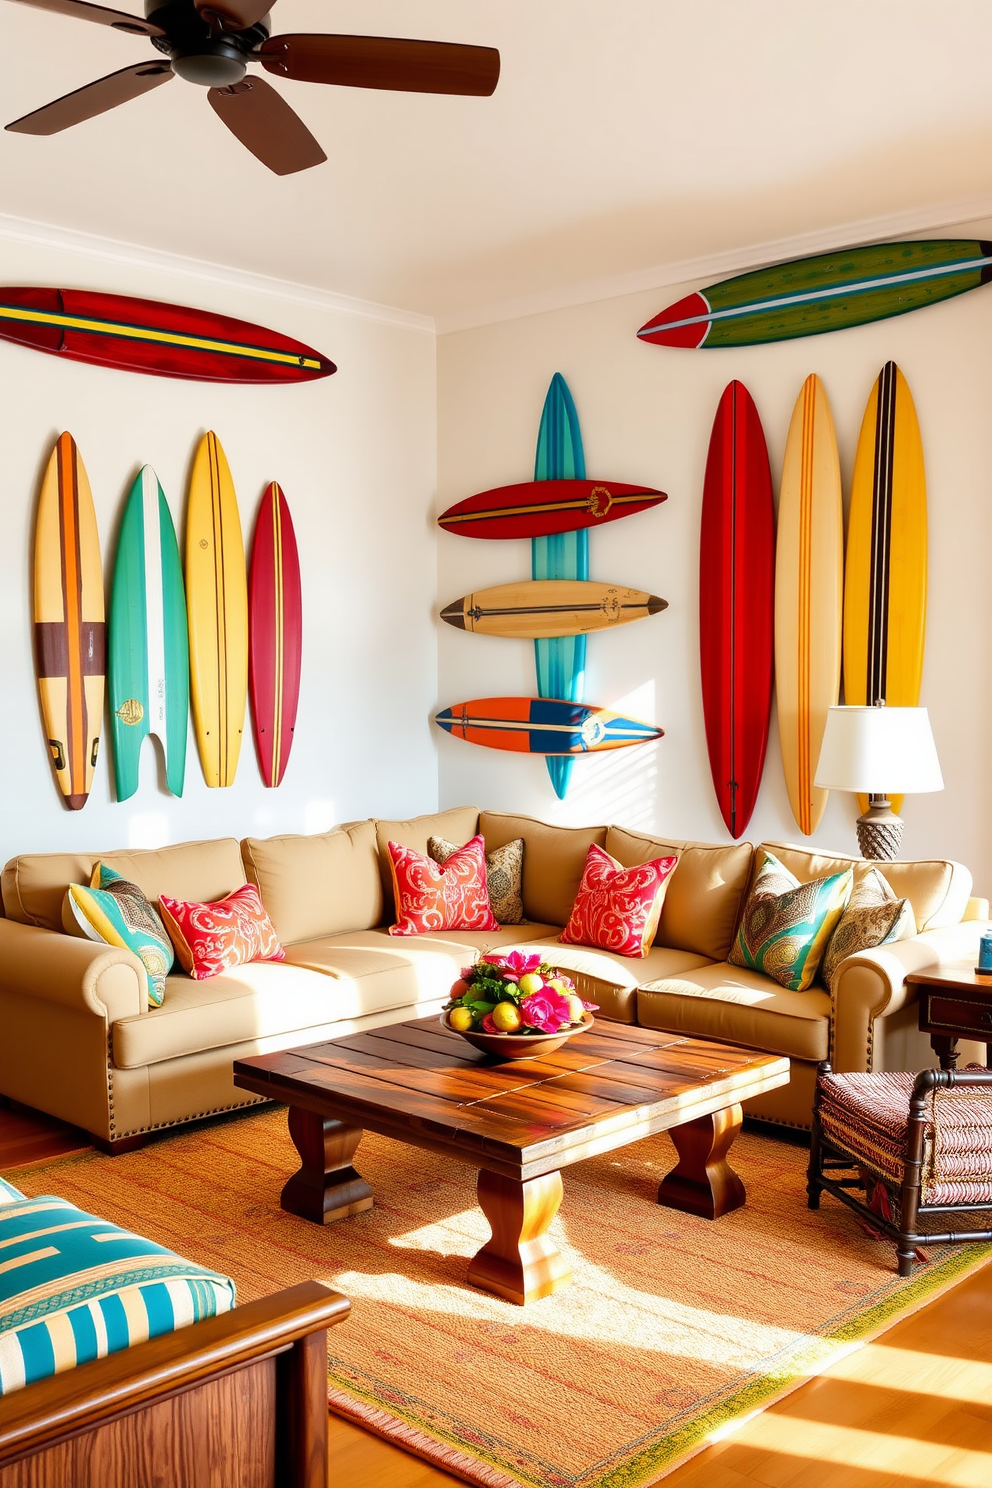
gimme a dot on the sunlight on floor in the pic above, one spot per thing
(896, 1456)
(934, 1375)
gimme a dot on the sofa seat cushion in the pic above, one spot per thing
(74, 1288)
(735, 1005)
(611, 980)
(321, 981)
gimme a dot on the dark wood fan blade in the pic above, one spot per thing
(96, 98)
(383, 62)
(233, 15)
(266, 125)
(83, 11)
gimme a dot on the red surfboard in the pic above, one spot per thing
(275, 632)
(737, 604)
(542, 508)
(136, 335)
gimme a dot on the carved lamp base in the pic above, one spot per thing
(880, 830)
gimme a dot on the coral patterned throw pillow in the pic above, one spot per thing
(440, 896)
(616, 908)
(211, 938)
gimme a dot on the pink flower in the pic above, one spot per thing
(514, 964)
(488, 1026)
(547, 1011)
(590, 1007)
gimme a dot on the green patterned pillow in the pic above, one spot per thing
(116, 912)
(786, 924)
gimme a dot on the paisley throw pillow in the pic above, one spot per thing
(114, 911)
(504, 876)
(873, 917)
(211, 938)
(431, 896)
(786, 924)
(617, 908)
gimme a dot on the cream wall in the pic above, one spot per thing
(355, 454)
(646, 414)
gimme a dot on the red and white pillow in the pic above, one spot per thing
(211, 938)
(616, 908)
(440, 896)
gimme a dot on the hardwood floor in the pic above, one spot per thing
(912, 1410)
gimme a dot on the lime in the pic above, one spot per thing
(507, 1017)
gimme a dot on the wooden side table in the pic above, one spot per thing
(955, 1002)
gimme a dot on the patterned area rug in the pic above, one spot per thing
(672, 1329)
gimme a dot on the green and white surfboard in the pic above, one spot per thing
(148, 664)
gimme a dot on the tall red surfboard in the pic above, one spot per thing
(540, 508)
(736, 604)
(275, 633)
(136, 335)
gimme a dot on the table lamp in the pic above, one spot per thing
(864, 748)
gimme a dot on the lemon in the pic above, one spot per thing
(575, 1009)
(461, 1019)
(507, 1017)
(531, 981)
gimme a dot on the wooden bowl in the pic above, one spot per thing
(518, 1045)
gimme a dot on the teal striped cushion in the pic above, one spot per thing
(74, 1288)
(8, 1193)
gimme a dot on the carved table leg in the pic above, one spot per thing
(946, 1049)
(326, 1186)
(519, 1261)
(703, 1182)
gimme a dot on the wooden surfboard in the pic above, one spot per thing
(148, 646)
(543, 726)
(827, 292)
(69, 626)
(136, 335)
(736, 604)
(550, 608)
(543, 508)
(809, 591)
(275, 628)
(560, 661)
(885, 609)
(217, 605)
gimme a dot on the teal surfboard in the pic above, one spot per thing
(148, 662)
(561, 660)
(827, 292)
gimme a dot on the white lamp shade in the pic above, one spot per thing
(879, 751)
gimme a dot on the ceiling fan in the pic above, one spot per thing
(211, 42)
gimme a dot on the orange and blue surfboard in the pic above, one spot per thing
(550, 726)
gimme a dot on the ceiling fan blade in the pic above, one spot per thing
(96, 98)
(383, 62)
(266, 125)
(233, 15)
(83, 11)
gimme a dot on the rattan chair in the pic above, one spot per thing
(919, 1146)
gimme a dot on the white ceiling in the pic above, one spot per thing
(624, 135)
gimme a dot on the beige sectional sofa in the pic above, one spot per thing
(79, 1040)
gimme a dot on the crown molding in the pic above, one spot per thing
(112, 250)
(721, 265)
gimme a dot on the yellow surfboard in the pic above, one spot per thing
(69, 631)
(885, 609)
(217, 606)
(809, 594)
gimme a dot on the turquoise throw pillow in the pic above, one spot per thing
(74, 1288)
(8, 1193)
(116, 912)
(786, 924)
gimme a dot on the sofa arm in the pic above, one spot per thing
(976, 909)
(102, 980)
(871, 984)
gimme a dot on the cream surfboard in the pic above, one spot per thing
(885, 606)
(809, 591)
(217, 605)
(550, 607)
(69, 625)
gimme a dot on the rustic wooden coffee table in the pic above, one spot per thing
(519, 1123)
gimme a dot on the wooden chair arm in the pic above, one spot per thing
(52, 1410)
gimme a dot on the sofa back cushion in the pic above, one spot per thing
(34, 884)
(458, 824)
(937, 888)
(326, 884)
(705, 892)
(554, 858)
